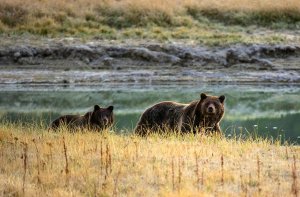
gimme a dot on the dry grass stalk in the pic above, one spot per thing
(173, 174)
(67, 171)
(295, 191)
(222, 170)
(96, 146)
(84, 148)
(258, 168)
(105, 182)
(25, 164)
(50, 154)
(15, 146)
(244, 186)
(108, 167)
(1, 148)
(278, 185)
(202, 177)
(258, 173)
(197, 172)
(101, 157)
(116, 182)
(136, 151)
(179, 174)
(37, 161)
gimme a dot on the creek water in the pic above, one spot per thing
(271, 111)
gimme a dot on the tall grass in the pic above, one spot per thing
(106, 164)
(105, 16)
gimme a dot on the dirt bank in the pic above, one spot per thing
(96, 62)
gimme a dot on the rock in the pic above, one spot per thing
(28, 61)
(261, 56)
(17, 55)
(108, 61)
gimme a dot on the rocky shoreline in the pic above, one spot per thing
(96, 62)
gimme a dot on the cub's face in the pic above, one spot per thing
(212, 106)
(102, 117)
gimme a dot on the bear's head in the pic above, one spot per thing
(211, 107)
(102, 117)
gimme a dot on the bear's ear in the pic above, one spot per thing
(222, 98)
(203, 96)
(96, 107)
(110, 108)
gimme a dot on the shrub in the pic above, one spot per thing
(12, 15)
(133, 16)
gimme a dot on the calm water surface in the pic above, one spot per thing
(268, 110)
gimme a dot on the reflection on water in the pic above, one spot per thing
(266, 110)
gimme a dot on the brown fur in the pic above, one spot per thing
(200, 115)
(98, 119)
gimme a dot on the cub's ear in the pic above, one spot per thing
(110, 108)
(203, 96)
(222, 98)
(96, 107)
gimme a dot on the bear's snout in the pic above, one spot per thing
(211, 109)
(105, 121)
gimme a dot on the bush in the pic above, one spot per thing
(12, 15)
(264, 18)
(132, 16)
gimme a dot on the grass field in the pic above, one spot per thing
(209, 22)
(35, 162)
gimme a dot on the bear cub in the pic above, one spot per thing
(203, 115)
(99, 119)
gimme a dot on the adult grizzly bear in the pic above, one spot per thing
(201, 115)
(99, 119)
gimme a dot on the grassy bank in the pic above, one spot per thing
(35, 162)
(208, 22)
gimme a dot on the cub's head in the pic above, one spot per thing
(212, 106)
(102, 117)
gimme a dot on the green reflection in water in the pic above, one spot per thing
(267, 110)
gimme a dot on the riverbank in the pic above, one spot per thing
(130, 41)
(36, 162)
(71, 60)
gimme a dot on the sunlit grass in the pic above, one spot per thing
(108, 164)
(159, 19)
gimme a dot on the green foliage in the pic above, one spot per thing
(131, 16)
(264, 18)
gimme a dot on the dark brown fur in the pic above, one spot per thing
(98, 119)
(197, 116)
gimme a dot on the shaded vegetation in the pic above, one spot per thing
(131, 16)
(282, 19)
(13, 15)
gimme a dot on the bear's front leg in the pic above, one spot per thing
(217, 129)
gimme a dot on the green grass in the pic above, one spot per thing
(36, 162)
(274, 19)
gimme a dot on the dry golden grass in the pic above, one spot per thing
(255, 5)
(81, 6)
(103, 17)
(212, 22)
(34, 162)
